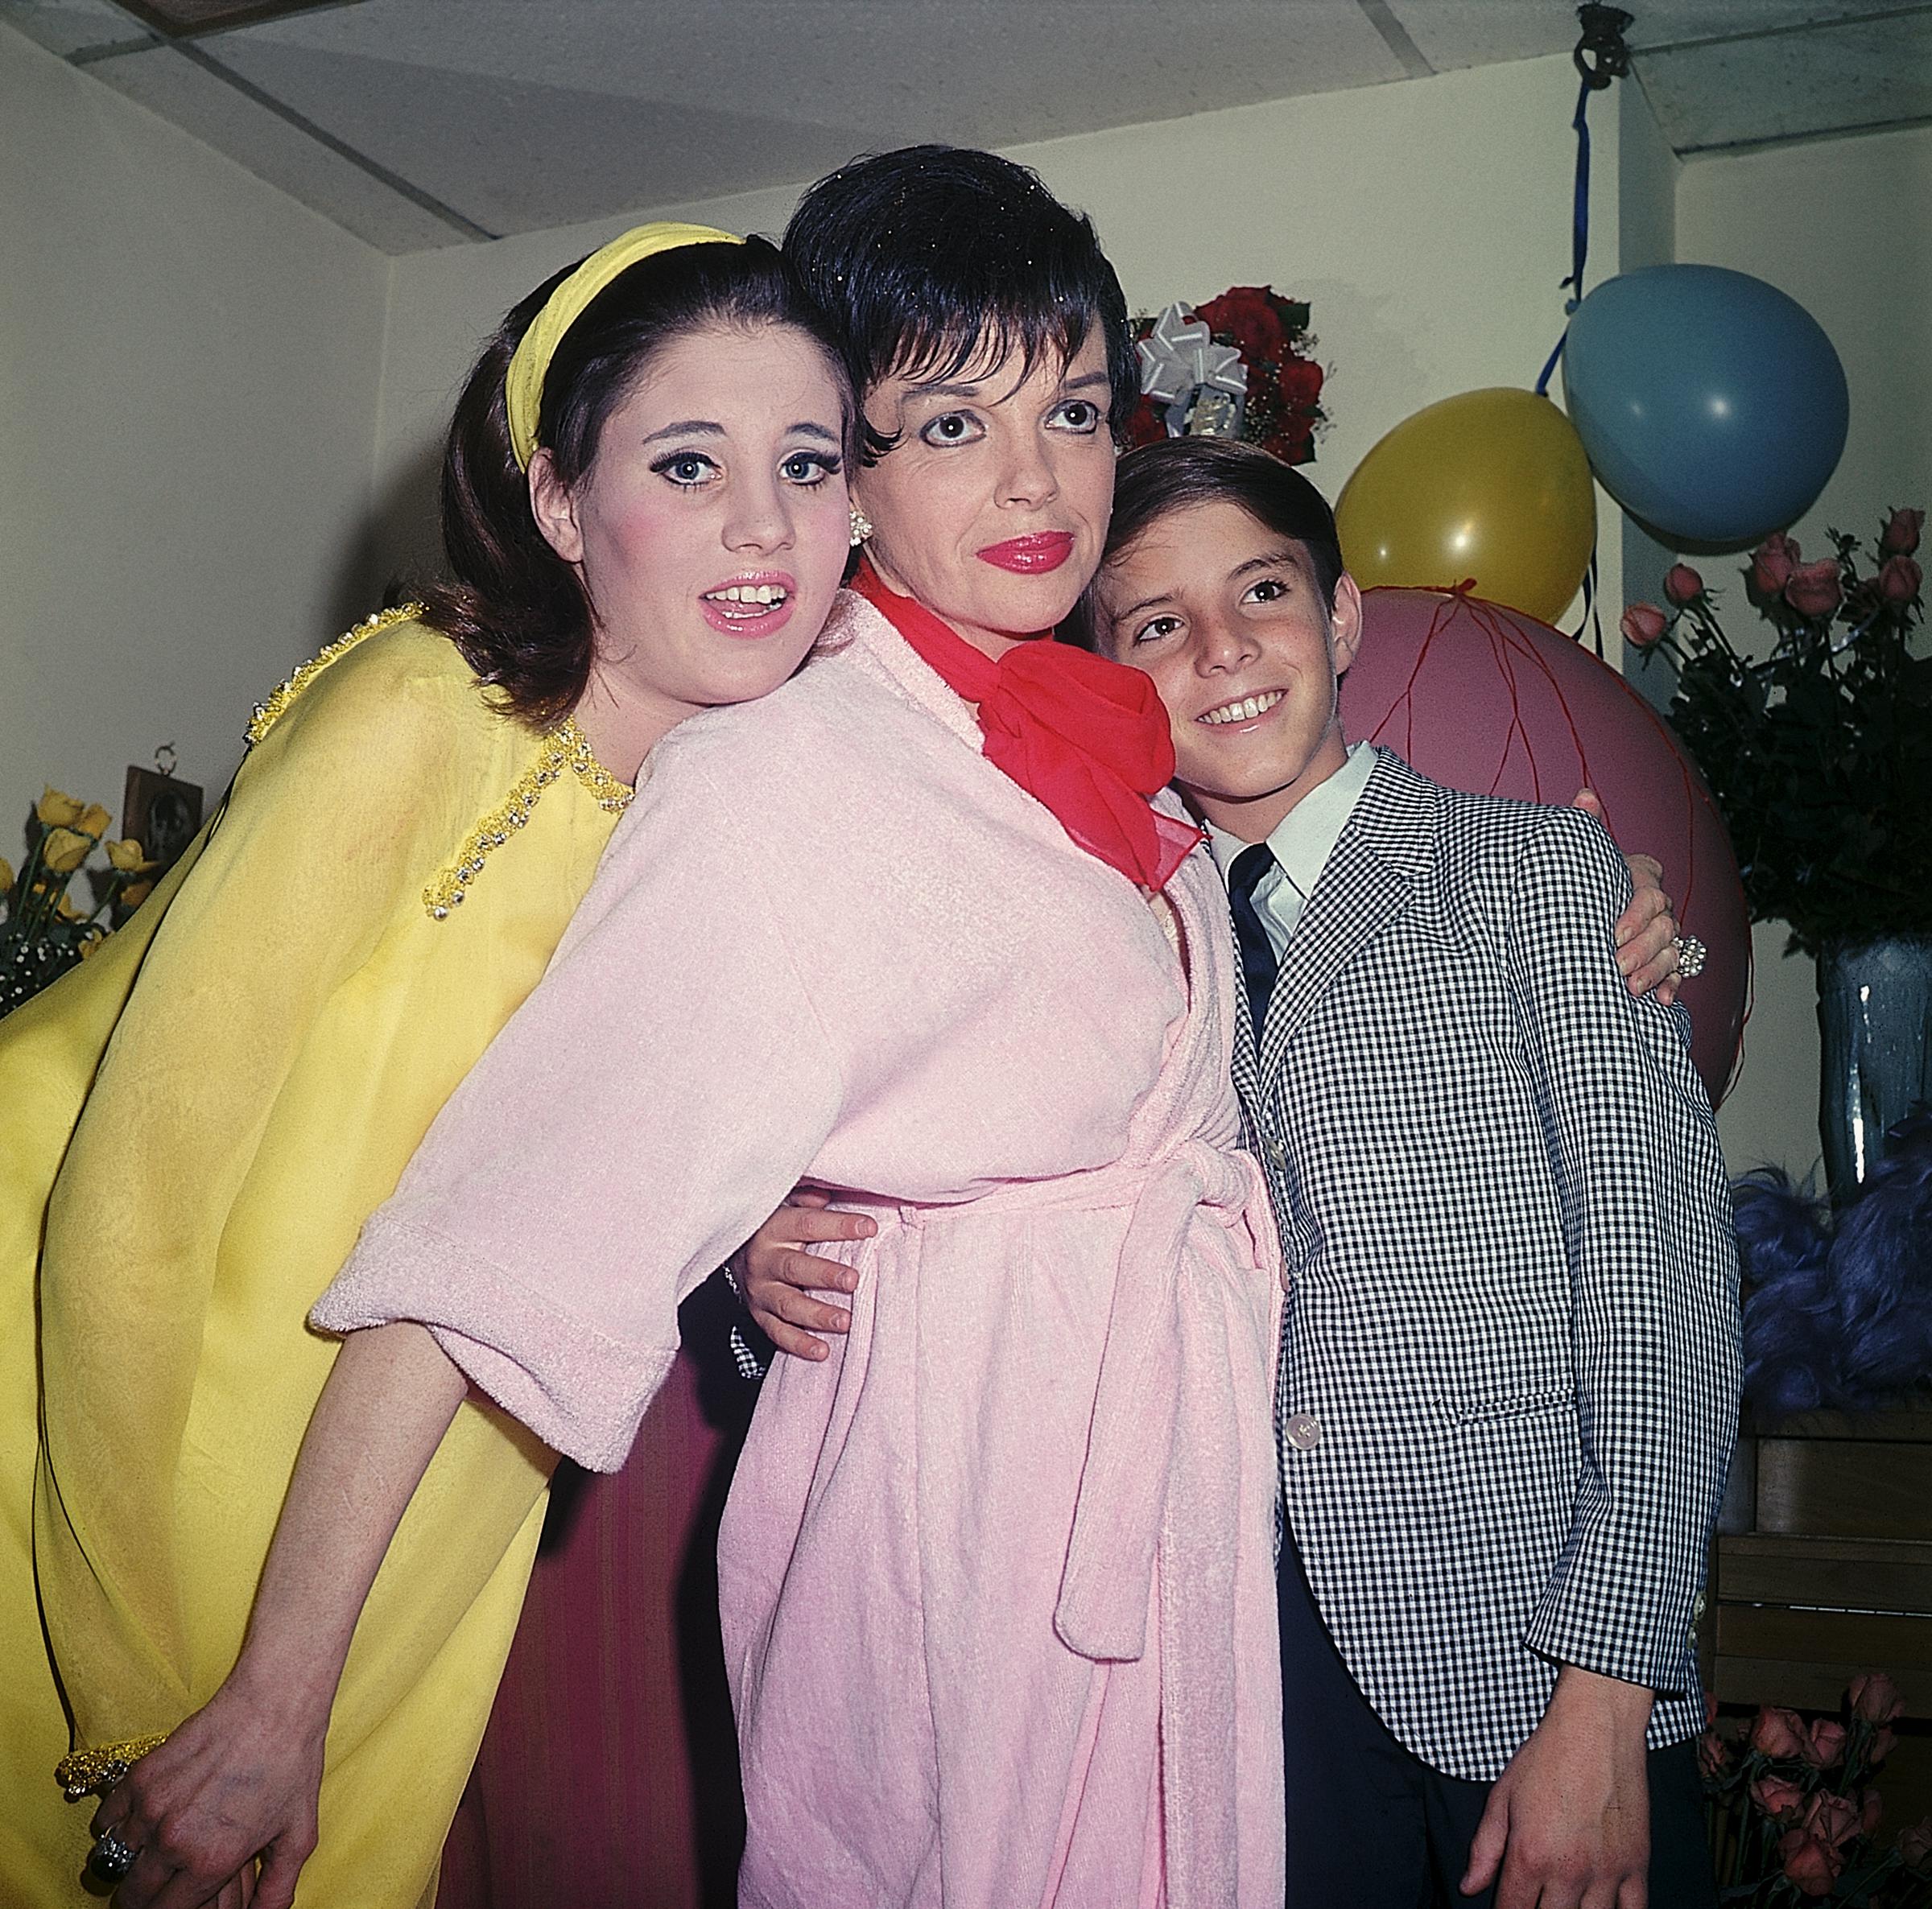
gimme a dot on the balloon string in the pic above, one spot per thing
(1579, 232)
(1590, 620)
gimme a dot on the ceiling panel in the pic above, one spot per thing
(533, 117)
(167, 81)
(510, 155)
(1484, 32)
(1860, 74)
(421, 122)
(1089, 56)
(70, 27)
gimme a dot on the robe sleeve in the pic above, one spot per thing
(652, 1100)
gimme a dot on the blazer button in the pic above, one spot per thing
(1303, 1431)
(1276, 1152)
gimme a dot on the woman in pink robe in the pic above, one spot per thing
(961, 1590)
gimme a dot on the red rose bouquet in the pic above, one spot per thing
(1280, 408)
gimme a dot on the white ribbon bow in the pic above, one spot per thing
(1180, 357)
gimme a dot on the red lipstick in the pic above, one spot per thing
(1032, 555)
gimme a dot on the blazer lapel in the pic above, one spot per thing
(1381, 852)
(1357, 893)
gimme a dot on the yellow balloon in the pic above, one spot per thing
(1492, 484)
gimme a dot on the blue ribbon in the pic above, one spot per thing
(1579, 229)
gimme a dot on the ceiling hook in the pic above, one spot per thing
(1601, 55)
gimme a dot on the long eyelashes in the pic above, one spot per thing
(687, 469)
(692, 470)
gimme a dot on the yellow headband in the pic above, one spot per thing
(523, 382)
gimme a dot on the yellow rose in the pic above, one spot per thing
(92, 943)
(7, 875)
(135, 893)
(59, 811)
(66, 910)
(127, 856)
(65, 849)
(93, 821)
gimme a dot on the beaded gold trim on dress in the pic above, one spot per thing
(80, 1771)
(565, 747)
(267, 713)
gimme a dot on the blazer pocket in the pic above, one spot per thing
(1492, 1408)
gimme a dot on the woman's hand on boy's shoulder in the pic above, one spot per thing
(1647, 930)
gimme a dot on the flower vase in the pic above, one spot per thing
(1874, 1013)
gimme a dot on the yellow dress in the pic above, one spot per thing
(193, 1127)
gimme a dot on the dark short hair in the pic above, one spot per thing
(1177, 473)
(923, 258)
(521, 614)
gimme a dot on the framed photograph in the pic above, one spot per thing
(162, 813)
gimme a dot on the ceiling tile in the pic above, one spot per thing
(1834, 79)
(1489, 31)
(512, 156)
(167, 81)
(515, 116)
(69, 26)
(521, 117)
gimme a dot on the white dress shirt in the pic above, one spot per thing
(1301, 843)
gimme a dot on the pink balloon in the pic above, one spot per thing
(1489, 699)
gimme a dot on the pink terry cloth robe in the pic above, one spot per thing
(997, 1578)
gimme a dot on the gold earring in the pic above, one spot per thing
(861, 526)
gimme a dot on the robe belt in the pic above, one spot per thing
(1190, 1218)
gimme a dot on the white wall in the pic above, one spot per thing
(1842, 226)
(188, 371)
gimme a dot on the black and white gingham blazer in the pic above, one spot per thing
(1509, 1371)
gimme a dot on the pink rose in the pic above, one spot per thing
(1824, 1746)
(1875, 1697)
(1713, 1758)
(1643, 623)
(1779, 1732)
(1899, 578)
(1871, 1813)
(1915, 1845)
(1900, 536)
(1883, 1744)
(1683, 584)
(1772, 562)
(1832, 1819)
(1813, 589)
(1809, 1865)
(1780, 1800)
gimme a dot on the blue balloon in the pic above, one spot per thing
(1712, 405)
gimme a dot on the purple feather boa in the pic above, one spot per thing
(1839, 1312)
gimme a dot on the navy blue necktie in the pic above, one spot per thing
(1258, 962)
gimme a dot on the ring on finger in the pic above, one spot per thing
(1691, 954)
(111, 1858)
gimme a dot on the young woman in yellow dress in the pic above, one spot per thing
(194, 1126)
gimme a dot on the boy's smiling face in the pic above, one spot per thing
(1228, 618)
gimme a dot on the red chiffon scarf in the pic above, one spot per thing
(1087, 737)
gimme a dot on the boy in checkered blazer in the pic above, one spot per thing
(1508, 1377)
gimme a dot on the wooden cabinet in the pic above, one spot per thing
(1823, 1564)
